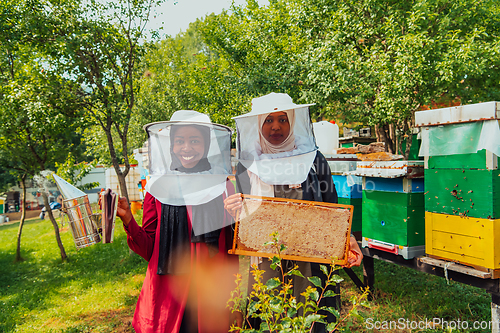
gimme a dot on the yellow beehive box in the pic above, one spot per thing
(467, 240)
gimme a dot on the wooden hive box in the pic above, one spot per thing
(393, 209)
(340, 163)
(467, 240)
(464, 192)
(357, 203)
(458, 114)
(482, 160)
(350, 195)
(398, 185)
(311, 231)
(344, 190)
(395, 218)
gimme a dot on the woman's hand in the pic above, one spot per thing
(236, 318)
(355, 255)
(123, 211)
(233, 204)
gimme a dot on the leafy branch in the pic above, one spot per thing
(274, 304)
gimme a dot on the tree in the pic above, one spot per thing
(99, 45)
(181, 72)
(384, 60)
(262, 46)
(12, 171)
(38, 124)
(56, 56)
(37, 118)
(372, 61)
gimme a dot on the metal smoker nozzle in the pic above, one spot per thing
(67, 190)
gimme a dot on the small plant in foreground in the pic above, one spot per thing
(279, 311)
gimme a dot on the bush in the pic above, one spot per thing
(274, 304)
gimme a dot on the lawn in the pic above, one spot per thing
(97, 288)
(94, 291)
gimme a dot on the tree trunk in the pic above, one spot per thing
(393, 139)
(407, 130)
(123, 184)
(21, 223)
(56, 227)
(384, 132)
(377, 133)
(116, 165)
(408, 146)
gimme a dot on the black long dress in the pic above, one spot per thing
(318, 186)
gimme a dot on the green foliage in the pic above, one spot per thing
(98, 46)
(279, 311)
(384, 60)
(73, 172)
(38, 122)
(37, 111)
(375, 62)
(182, 73)
(7, 179)
(262, 45)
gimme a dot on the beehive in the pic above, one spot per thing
(347, 194)
(340, 163)
(467, 240)
(398, 185)
(462, 182)
(357, 217)
(344, 190)
(393, 206)
(396, 218)
(463, 192)
(458, 114)
(481, 160)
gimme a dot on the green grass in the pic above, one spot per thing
(92, 292)
(402, 292)
(97, 289)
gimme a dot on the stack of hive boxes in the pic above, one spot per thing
(348, 190)
(393, 206)
(462, 182)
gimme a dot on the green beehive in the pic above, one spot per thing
(465, 192)
(481, 160)
(356, 217)
(396, 218)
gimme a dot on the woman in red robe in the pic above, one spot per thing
(189, 275)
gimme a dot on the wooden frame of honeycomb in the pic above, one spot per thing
(311, 231)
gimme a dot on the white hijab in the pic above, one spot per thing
(285, 164)
(287, 145)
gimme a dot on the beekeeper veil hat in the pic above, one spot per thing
(189, 159)
(287, 163)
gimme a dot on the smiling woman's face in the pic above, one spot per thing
(189, 146)
(276, 127)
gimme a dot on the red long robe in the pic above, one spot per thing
(163, 298)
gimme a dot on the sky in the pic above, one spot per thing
(175, 15)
